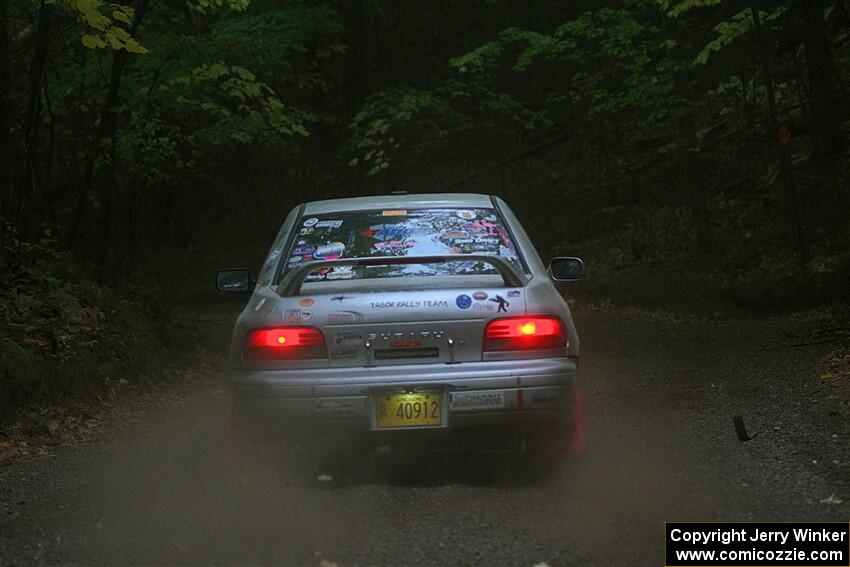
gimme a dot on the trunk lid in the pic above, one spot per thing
(436, 326)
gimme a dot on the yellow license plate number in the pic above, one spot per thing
(408, 410)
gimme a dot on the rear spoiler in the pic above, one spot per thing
(291, 284)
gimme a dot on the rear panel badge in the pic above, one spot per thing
(347, 338)
(345, 317)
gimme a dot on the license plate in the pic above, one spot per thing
(408, 410)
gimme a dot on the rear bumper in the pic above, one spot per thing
(533, 391)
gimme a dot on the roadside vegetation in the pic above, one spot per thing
(66, 337)
(694, 152)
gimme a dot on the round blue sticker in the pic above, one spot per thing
(463, 301)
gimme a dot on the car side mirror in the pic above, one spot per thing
(566, 269)
(234, 281)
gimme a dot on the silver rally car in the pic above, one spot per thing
(407, 316)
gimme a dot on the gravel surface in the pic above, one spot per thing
(659, 399)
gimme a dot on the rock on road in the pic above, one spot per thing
(659, 399)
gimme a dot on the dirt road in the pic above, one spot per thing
(659, 400)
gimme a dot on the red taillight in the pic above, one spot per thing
(285, 343)
(525, 333)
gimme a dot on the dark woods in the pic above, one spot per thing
(695, 152)
(156, 140)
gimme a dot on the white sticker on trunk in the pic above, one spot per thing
(478, 400)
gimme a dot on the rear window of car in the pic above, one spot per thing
(401, 232)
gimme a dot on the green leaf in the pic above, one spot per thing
(121, 16)
(92, 42)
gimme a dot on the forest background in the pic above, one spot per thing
(694, 152)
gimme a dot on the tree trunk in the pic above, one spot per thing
(792, 201)
(102, 179)
(693, 181)
(38, 62)
(5, 114)
(823, 108)
(692, 177)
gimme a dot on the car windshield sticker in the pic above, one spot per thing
(329, 224)
(411, 232)
(330, 251)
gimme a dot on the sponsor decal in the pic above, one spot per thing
(292, 316)
(344, 275)
(329, 224)
(455, 234)
(311, 221)
(388, 232)
(306, 302)
(345, 317)
(306, 230)
(478, 400)
(306, 316)
(484, 227)
(318, 274)
(466, 215)
(463, 301)
(491, 241)
(479, 295)
(347, 338)
(513, 293)
(415, 304)
(330, 251)
(301, 250)
(506, 252)
(330, 406)
(295, 259)
(394, 244)
(503, 303)
(340, 297)
(396, 213)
